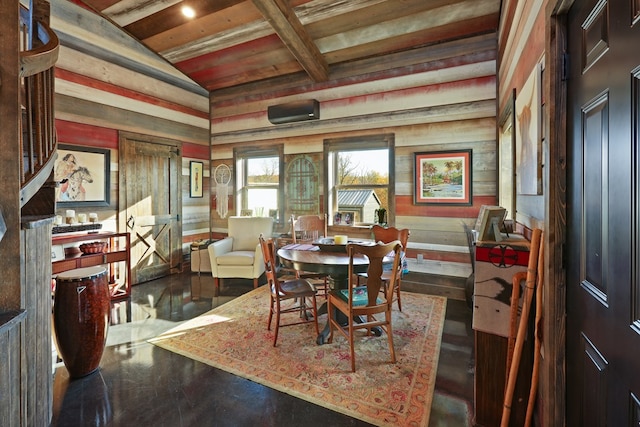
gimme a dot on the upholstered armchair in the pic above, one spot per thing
(239, 255)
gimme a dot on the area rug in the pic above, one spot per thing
(234, 337)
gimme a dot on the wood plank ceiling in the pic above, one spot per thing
(234, 44)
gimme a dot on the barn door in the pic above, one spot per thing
(603, 295)
(150, 204)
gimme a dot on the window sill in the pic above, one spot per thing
(358, 230)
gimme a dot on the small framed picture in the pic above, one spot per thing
(337, 218)
(195, 179)
(348, 217)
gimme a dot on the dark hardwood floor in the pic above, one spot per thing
(140, 384)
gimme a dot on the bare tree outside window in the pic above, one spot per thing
(366, 170)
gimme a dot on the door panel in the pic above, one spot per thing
(603, 344)
(151, 204)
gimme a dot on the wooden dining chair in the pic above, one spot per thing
(297, 291)
(387, 235)
(308, 229)
(365, 303)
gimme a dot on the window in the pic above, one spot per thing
(359, 178)
(259, 178)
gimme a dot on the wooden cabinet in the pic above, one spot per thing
(495, 265)
(117, 251)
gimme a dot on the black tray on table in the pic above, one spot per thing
(327, 244)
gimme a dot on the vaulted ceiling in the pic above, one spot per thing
(233, 43)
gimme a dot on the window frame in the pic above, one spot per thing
(241, 156)
(357, 143)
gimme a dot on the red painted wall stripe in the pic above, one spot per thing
(196, 151)
(96, 136)
(88, 135)
(118, 90)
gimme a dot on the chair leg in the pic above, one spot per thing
(271, 308)
(399, 300)
(216, 283)
(352, 346)
(255, 283)
(391, 347)
(275, 336)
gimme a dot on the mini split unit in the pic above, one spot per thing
(297, 111)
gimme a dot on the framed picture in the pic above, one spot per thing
(337, 218)
(84, 176)
(443, 177)
(490, 222)
(528, 141)
(195, 179)
(506, 157)
(348, 217)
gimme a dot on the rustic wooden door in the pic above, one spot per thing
(150, 204)
(603, 292)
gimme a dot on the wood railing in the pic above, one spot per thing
(38, 55)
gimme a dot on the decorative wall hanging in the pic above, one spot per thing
(222, 177)
(301, 182)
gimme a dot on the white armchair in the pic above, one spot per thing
(239, 255)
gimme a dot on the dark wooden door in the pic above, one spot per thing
(603, 298)
(150, 204)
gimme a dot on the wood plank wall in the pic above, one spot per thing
(525, 30)
(37, 345)
(106, 82)
(443, 99)
(522, 49)
(12, 338)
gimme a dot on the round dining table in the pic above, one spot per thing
(333, 263)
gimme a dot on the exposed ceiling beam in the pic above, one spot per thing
(292, 33)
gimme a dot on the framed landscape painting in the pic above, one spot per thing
(443, 177)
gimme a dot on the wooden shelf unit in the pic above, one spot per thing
(118, 250)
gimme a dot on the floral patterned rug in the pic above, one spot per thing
(234, 337)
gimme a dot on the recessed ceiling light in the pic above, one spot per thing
(188, 11)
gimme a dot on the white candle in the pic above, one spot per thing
(93, 217)
(70, 216)
(58, 220)
(340, 239)
(82, 218)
